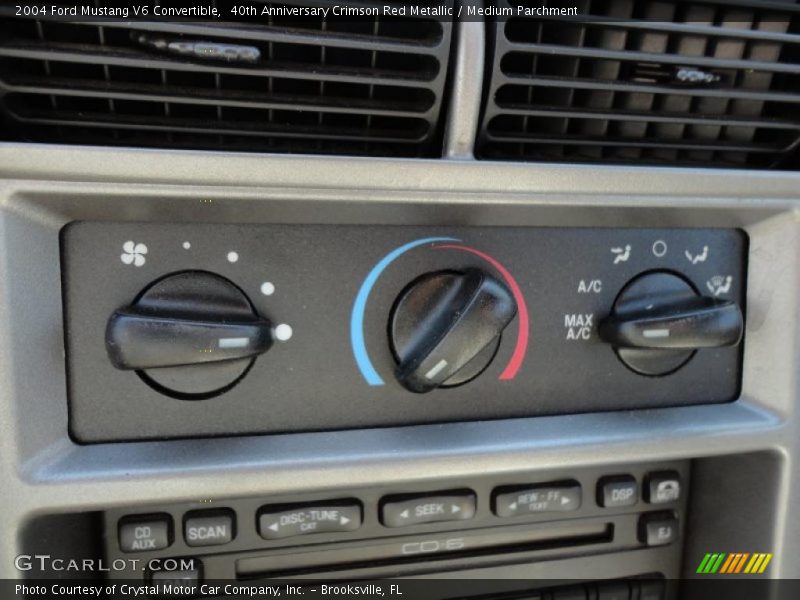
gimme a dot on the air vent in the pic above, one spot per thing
(709, 83)
(360, 85)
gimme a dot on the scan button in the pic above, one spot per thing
(208, 528)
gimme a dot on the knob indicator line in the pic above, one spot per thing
(357, 337)
(359, 307)
(190, 335)
(659, 321)
(521, 348)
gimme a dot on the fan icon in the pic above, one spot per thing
(133, 254)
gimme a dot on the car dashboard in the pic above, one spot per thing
(479, 304)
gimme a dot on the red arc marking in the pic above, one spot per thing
(521, 348)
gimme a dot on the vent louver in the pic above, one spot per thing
(363, 85)
(700, 83)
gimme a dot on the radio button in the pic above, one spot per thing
(428, 509)
(538, 499)
(663, 487)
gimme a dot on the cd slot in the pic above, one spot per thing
(477, 543)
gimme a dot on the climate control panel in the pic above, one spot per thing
(192, 330)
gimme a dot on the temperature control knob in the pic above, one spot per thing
(190, 335)
(445, 327)
(659, 321)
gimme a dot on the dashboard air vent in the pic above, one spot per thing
(703, 83)
(355, 85)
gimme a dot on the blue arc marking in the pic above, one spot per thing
(357, 317)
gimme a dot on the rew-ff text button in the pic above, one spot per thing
(545, 498)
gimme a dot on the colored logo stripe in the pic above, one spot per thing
(703, 564)
(733, 563)
(711, 563)
(740, 564)
(732, 558)
(758, 564)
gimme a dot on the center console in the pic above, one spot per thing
(230, 330)
(390, 532)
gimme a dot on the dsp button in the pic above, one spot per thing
(537, 499)
(208, 528)
(617, 491)
(281, 521)
(400, 511)
(140, 534)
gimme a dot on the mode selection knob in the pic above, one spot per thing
(445, 327)
(190, 335)
(659, 321)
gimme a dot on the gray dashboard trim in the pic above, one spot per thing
(467, 84)
(692, 188)
(44, 187)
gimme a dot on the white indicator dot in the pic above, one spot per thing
(283, 332)
(268, 288)
(233, 257)
(186, 245)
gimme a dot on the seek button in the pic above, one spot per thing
(397, 512)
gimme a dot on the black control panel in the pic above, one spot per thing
(193, 330)
(393, 532)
